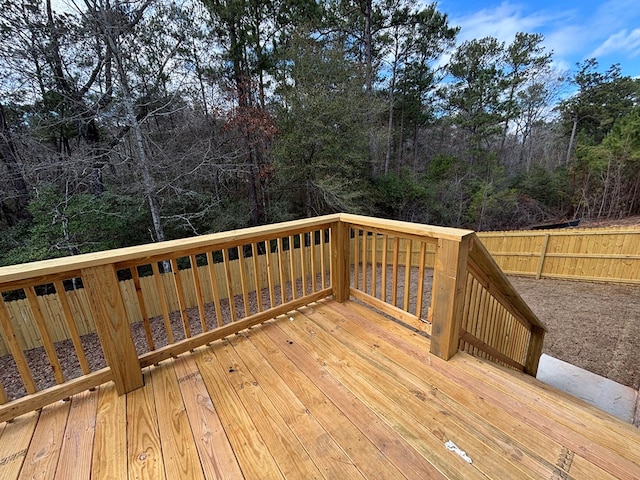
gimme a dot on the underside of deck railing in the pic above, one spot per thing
(148, 303)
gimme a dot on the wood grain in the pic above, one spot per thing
(215, 452)
(77, 443)
(44, 450)
(110, 445)
(179, 452)
(144, 455)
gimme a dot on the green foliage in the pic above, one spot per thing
(404, 197)
(64, 225)
(320, 153)
(548, 187)
(607, 175)
(147, 120)
(491, 206)
(602, 98)
(441, 167)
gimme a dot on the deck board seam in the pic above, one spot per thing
(439, 397)
(415, 387)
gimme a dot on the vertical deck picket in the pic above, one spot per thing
(292, 269)
(407, 273)
(163, 300)
(256, 274)
(45, 337)
(198, 291)
(16, 351)
(182, 306)
(272, 293)
(383, 287)
(229, 282)
(215, 289)
(143, 309)
(71, 325)
(243, 281)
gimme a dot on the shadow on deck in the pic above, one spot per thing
(328, 391)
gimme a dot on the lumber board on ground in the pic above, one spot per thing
(144, 453)
(179, 451)
(285, 447)
(251, 450)
(325, 452)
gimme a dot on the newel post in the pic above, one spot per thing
(112, 325)
(448, 294)
(340, 268)
(534, 351)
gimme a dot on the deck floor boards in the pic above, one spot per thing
(329, 391)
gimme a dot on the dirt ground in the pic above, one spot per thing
(594, 326)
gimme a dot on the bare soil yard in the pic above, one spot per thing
(594, 326)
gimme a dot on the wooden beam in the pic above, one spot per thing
(24, 272)
(543, 255)
(449, 284)
(534, 351)
(30, 403)
(495, 353)
(112, 325)
(340, 268)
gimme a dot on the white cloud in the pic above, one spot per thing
(574, 31)
(622, 41)
(501, 22)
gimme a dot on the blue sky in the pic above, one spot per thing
(608, 30)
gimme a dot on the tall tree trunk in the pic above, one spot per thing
(241, 81)
(368, 44)
(366, 10)
(572, 139)
(142, 162)
(392, 88)
(16, 207)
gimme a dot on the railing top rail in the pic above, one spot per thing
(421, 230)
(16, 273)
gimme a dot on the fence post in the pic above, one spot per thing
(543, 255)
(112, 325)
(534, 351)
(340, 268)
(447, 301)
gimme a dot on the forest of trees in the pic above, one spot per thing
(129, 121)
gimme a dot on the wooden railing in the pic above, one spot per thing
(243, 278)
(497, 324)
(153, 302)
(444, 282)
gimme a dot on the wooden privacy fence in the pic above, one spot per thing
(153, 302)
(597, 254)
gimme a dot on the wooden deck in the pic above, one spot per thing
(329, 391)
